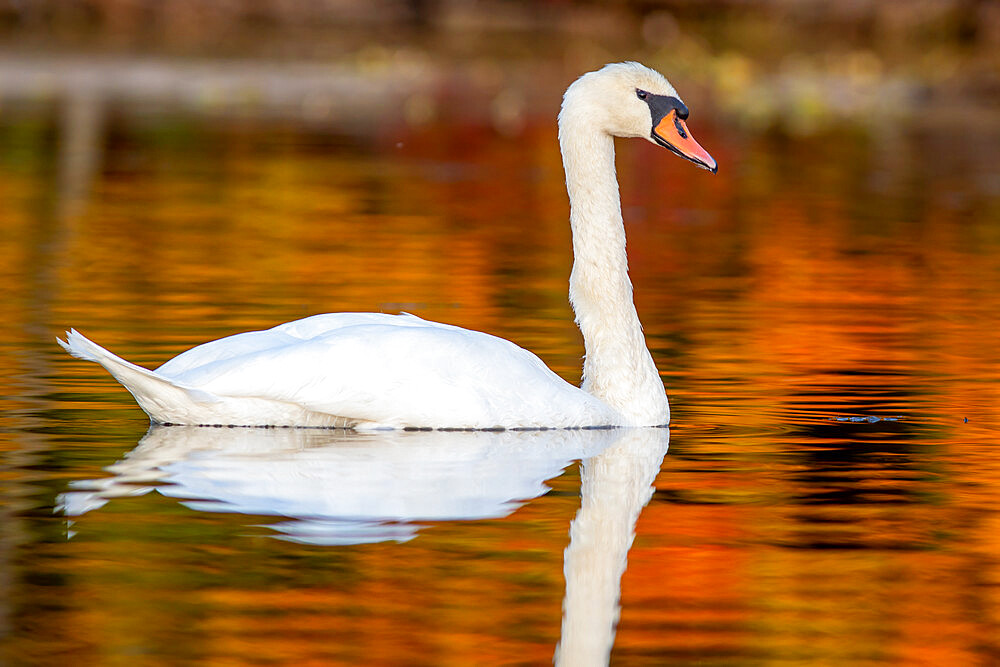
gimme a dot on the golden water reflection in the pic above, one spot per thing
(847, 273)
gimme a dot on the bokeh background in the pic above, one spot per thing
(174, 171)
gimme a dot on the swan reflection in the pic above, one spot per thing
(342, 487)
(617, 484)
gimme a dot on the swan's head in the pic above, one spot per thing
(632, 100)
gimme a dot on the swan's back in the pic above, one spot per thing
(283, 335)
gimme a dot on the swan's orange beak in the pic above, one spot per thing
(672, 133)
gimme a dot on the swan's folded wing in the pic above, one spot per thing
(283, 335)
(395, 372)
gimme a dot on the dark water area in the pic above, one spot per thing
(849, 271)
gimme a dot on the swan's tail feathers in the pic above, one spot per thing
(164, 401)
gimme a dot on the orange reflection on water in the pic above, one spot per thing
(788, 290)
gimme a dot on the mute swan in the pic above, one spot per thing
(373, 370)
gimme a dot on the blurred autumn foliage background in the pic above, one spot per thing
(801, 63)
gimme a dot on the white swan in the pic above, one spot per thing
(371, 370)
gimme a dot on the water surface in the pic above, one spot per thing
(850, 273)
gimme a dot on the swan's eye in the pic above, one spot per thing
(641, 94)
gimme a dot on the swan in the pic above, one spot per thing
(378, 371)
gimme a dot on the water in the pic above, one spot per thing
(852, 273)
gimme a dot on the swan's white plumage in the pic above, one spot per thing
(362, 370)
(369, 370)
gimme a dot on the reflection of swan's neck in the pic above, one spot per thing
(617, 484)
(618, 368)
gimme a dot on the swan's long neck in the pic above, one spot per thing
(618, 367)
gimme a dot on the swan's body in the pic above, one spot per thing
(355, 370)
(367, 370)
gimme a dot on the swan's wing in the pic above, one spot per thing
(289, 333)
(389, 370)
